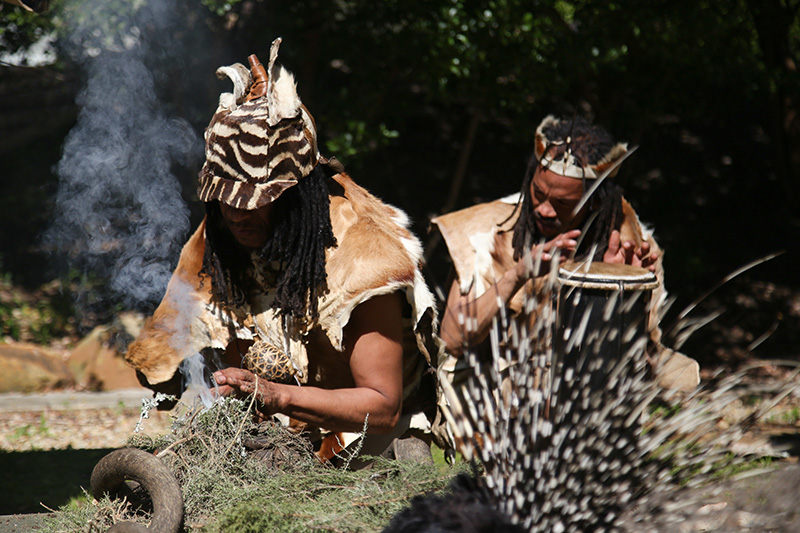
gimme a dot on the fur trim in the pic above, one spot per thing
(569, 166)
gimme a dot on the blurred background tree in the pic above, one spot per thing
(432, 104)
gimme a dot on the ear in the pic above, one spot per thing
(282, 99)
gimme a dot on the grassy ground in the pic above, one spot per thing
(226, 488)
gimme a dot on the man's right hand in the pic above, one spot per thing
(242, 383)
(565, 242)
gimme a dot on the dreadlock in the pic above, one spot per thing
(302, 232)
(588, 144)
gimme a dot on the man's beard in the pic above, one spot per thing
(546, 228)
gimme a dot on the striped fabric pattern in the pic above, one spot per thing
(248, 163)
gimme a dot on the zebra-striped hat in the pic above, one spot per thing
(261, 140)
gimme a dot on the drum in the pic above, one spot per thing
(602, 312)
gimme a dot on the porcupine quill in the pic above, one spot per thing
(586, 449)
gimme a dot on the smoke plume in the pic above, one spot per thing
(119, 213)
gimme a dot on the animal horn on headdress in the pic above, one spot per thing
(283, 101)
(259, 86)
(241, 79)
(277, 84)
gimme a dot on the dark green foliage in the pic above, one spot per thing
(431, 104)
(38, 316)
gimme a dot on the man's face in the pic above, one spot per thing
(251, 229)
(554, 199)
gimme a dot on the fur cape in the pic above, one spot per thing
(376, 254)
(470, 238)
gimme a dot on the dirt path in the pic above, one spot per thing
(70, 420)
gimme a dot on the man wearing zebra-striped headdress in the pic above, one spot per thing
(307, 286)
(568, 207)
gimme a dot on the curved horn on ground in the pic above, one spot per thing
(131, 464)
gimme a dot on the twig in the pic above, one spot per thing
(244, 418)
(359, 445)
(176, 454)
(177, 442)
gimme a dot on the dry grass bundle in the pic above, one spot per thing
(237, 475)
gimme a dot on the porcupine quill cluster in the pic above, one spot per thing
(562, 454)
(567, 434)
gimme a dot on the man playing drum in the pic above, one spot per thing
(568, 207)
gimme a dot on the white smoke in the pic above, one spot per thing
(195, 372)
(194, 368)
(119, 213)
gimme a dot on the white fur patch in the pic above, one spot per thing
(241, 79)
(283, 99)
(399, 217)
(227, 101)
(483, 244)
(647, 231)
(511, 199)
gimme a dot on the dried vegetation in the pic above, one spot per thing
(237, 475)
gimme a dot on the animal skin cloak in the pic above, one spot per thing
(470, 237)
(376, 254)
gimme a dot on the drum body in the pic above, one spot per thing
(602, 312)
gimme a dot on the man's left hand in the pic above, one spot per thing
(628, 253)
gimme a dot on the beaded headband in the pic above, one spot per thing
(568, 165)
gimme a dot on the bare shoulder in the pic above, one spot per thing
(381, 313)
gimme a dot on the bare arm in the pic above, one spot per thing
(373, 341)
(467, 320)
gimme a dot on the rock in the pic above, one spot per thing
(677, 371)
(410, 449)
(763, 500)
(31, 368)
(97, 360)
